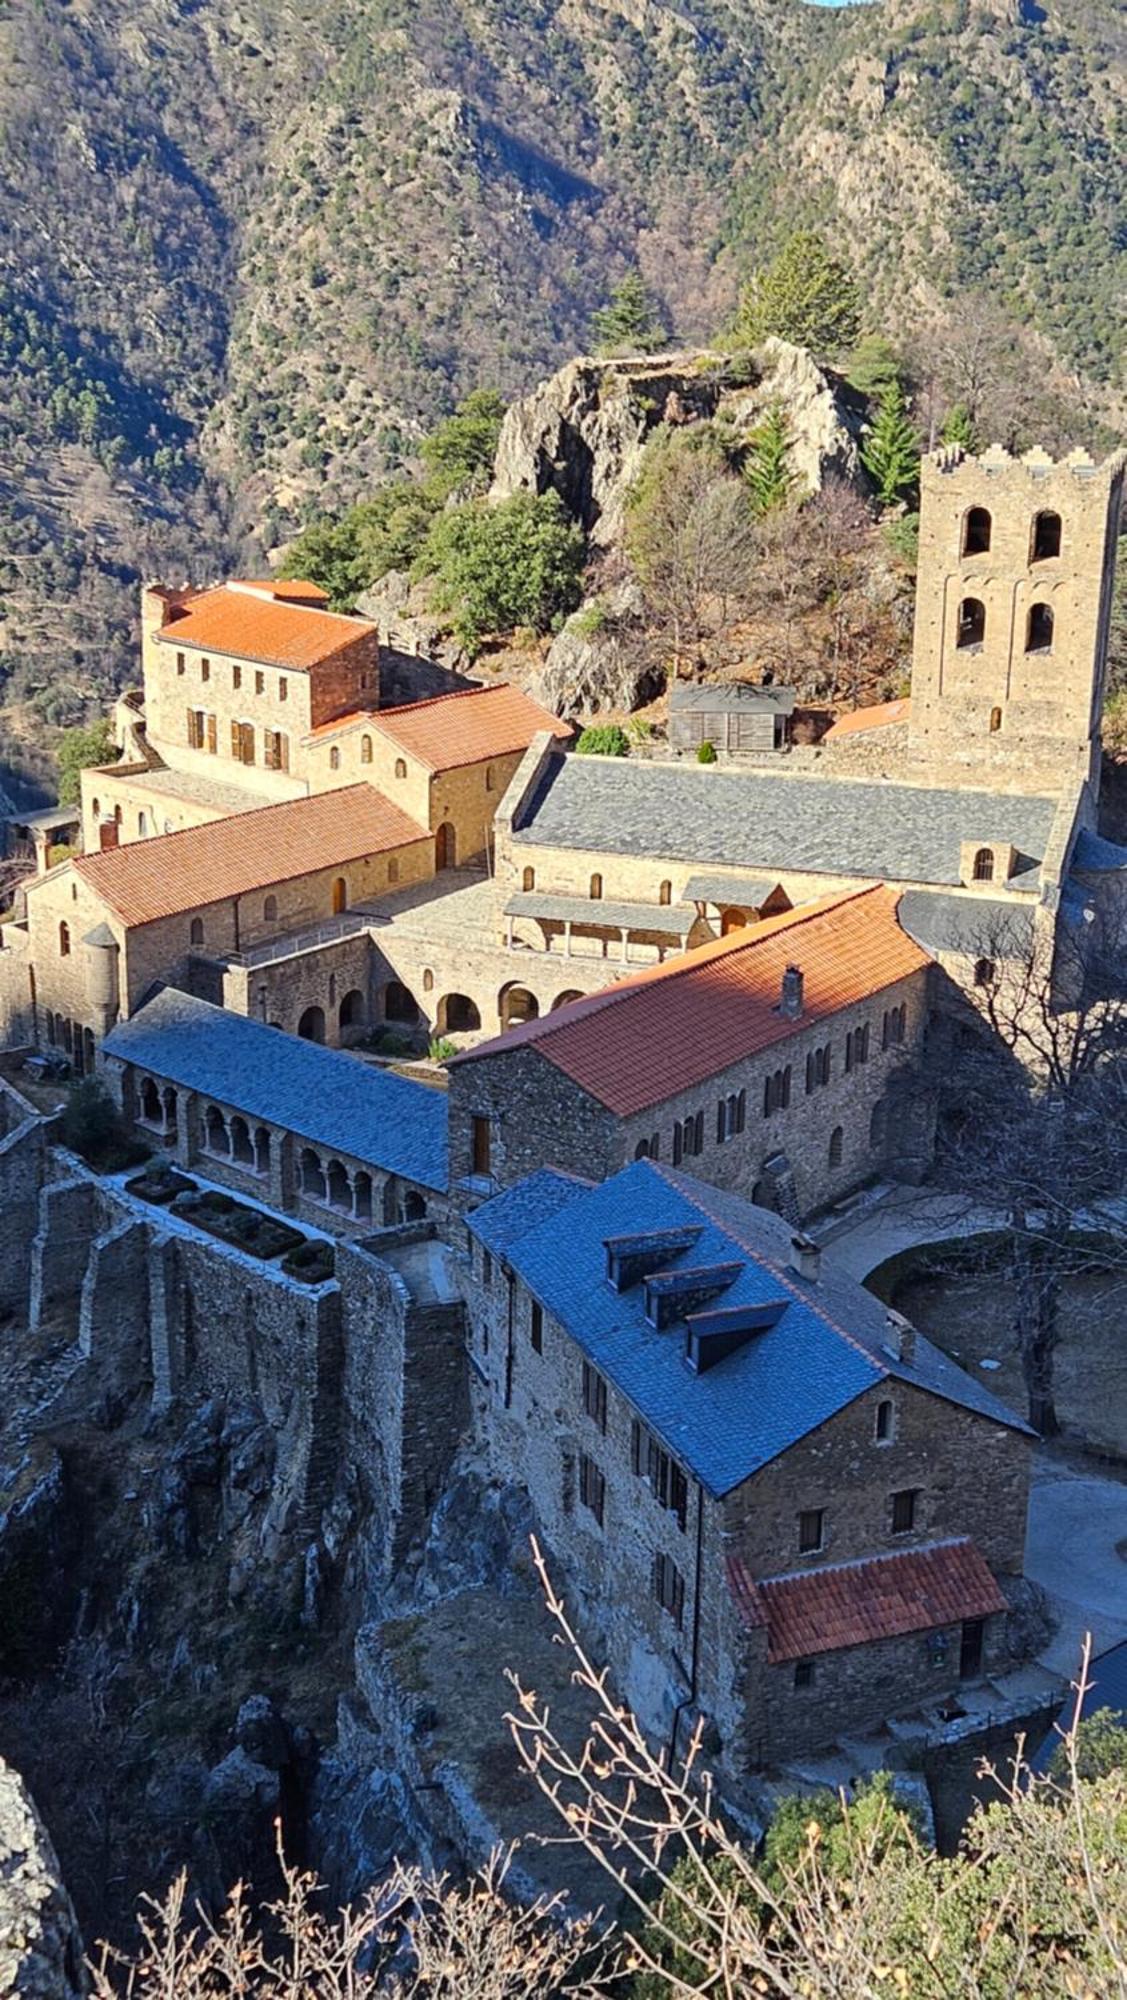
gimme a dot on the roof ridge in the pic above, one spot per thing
(453, 694)
(865, 1562)
(231, 819)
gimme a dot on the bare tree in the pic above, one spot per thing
(691, 539)
(1033, 1118)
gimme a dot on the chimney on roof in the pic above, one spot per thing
(805, 1256)
(790, 998)
(902, 1341)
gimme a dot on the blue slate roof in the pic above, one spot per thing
(382, 1120)
(503, 1221)
(826, 1349)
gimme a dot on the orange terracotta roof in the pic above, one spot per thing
(663, 1030)
(881, 715)
(183, 871)
(455, 729)
(251, 627)
(853, 1604)
(287, 589)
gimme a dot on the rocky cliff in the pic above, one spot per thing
(41, 1954)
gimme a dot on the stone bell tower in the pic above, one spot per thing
(1013, 605)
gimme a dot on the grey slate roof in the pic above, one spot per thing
(721, 889)
(895, 833)
(970, 925)
(331, 1099)
(728, 697)
(667, 918)
(826, 1348)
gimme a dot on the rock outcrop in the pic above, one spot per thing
(597, 662)
(582, 433)
(41, 1955)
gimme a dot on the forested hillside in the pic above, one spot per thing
(250, 253)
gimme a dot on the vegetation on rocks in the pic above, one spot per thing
(605, 739)
(631, 323)
(496, 568)
(805, 295)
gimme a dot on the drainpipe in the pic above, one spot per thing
(694, 1664)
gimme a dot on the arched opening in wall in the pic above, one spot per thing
(49, 1024)
(528, 880)
(457, 1015)
(389, 1202)
(117, 815)
(446, 846)
(878, 1126)
(399, 1003)
(595, 889)
(362, 1197)
(995, 721)
(152, 1110)
(142, 825)
(261, 1150)
(365, 749)
(516, 1004)
(972, 623)
(984, 971)
(401, 767)
(732, 919)
(414, 1207)
(1046, 539)
(763, 1195)
(64, 940)
(311, 1026)
(334, 759)
(88, 1051)
(169, 1107)
(340, 896)
(977, 528)
(66, 1034)
(340, 1192)
(195, 931)
(428, 980)
(242, 1148)
(565, 999)
(311, 1175)
(352, 1010)
(665, 894)
(216, 1137)
(270, 909)
(95, 809)
(1039, 629)
(837, 1146)
(983, 870)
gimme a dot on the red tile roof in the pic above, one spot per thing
(648, 1037)
(467, 728)
(853, 1604)
(253, 627)
(880, 716)
(176, 872)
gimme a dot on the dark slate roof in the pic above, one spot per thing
(970, 925)
(728, 697)
(509, 1216)
(320, 1094)
(896, 833)
(670, 920)
(1093, 855)
(826, 1349)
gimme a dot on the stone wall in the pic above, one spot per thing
(23, 1135)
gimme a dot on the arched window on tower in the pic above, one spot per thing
(995, 721)
(972, 622)
(1039, 630)
(1046, 538)
(983, 870)
(977, 527)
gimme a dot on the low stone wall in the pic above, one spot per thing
(23, 1150)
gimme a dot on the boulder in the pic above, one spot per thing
(597, 662)
(41, 1956)
(582, 433)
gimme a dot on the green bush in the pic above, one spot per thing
(91, 1125)
(495, 568)
(440, 1049)
(603, 739)
(78, 750)
(706, 754)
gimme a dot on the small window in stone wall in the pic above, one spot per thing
(401, 767)
(365, 749)
(260, 684)
(818, 1065)
(669, 1587)
(905, 1507)
(334, 759)
(595, 890)
(803, 1674)
(884, 1424)
(592, 1487)
(536, 1327)
(528, 880)
(428, 976)
(393, 876)
(64, 940)
(837, 1146)
(857, 1047)
(811, 1530)
(595, 1396)
(270, 909)
(236, 677)
(489, 777)
(486, 1268)
(195, 933)
(665, 894)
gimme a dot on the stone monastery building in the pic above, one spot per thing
(689, 1007)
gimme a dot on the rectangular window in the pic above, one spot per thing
(260, 683)
(179, 663)
(536, 1327)
(212, 736)
(662, 1474)
(486, 1268)
(592, 1487)
(669, 1588)
(236, 677)
(275, 750)
(677, 1144)
(804, 1673)
(594, 1396)
(205, 670)
(283, 688)
(242, 742)
(195, 729)
(904, 1510)
(811, 1526)
(481, 1146)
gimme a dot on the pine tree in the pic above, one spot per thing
(805, 295)
(891, 452)
(958, 428)
(632, 322)
(767, 467)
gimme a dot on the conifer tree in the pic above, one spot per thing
(632, 322)
(805, 295)
(958, 428)
(891, 452)
(767, 467)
